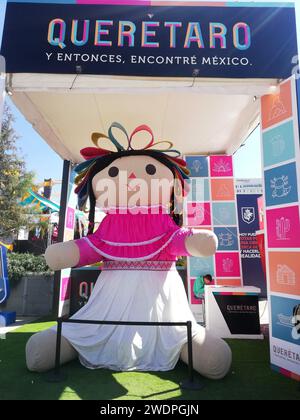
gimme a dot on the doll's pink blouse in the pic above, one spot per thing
(134, 238)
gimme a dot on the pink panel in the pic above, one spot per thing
(117, 2)
(228, 264)
(283, 227)
(70, 218)
(198, 214)
(65, 288)
(221, 166)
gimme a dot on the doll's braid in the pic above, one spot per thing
(92, 213)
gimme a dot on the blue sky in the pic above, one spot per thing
(46, 164)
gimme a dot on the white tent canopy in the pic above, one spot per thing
(200, 116)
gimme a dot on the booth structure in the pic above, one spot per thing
(201, 74)
(233, 312)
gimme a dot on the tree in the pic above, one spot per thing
(14, 181)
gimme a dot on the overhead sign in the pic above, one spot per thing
(146, 40)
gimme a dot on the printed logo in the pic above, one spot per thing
(278, 109)
(223, 191)
(283, 227)
(284, 320)
(277, 145)
(227, 265)
(291, 321)
(197, 166)
(222, 166)
(296, 323)
(285, 275)
(226, 239)
(248, 214)
(286, 354)
(197, 211)
(280, 186)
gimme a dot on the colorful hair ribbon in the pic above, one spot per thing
(93, 154)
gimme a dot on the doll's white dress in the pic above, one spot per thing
(139, 282)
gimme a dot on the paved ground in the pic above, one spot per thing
(20, 321)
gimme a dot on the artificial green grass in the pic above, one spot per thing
(250, 378)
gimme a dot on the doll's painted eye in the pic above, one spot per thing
(113, 171)
(150, 169)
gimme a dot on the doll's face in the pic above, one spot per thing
(133, 181)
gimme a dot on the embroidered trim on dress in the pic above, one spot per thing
(139, 265)
(145, 257)
(154, 206)
(150, 241)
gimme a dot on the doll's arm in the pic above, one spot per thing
(62, 255)
(76, 253)
(201, 243)
(193, 242)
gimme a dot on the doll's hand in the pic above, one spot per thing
(62, 255)
(202, 243)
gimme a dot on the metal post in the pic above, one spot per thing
(190, 383)
(61, 225)
(190, 351)
(58, 346)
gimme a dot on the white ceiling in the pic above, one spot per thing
(202, 116)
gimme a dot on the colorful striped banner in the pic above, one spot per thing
(234, 294)
(281, 161)
(160, 3)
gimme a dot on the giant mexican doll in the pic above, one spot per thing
(140, 188)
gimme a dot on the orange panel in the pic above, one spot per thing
(222, 189)
(229, 282)
(285, 272)
(277, 108)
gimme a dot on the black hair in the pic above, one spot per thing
(208, 277)
(105, 161)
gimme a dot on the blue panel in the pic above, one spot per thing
(282, 319)
(201, 266)
(228, 240)
(248, 216)
(224, 214)
(198, 166)
(199, 190)
(281, 185)
(279, 144)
